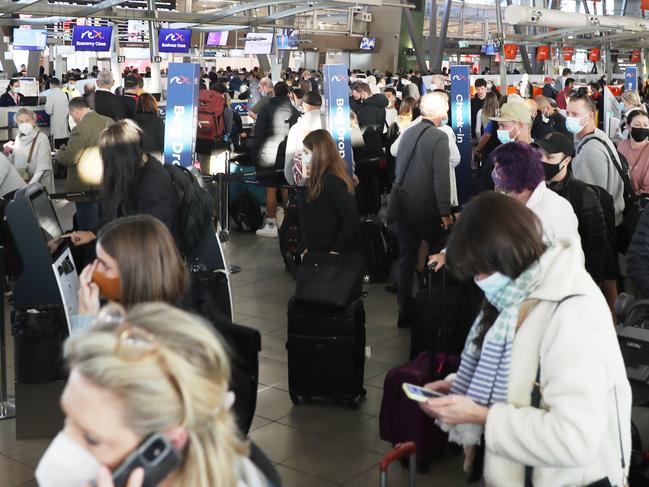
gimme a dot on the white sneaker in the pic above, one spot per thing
(279, 216)
(269, 230)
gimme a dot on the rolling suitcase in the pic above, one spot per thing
(401, 418)
(378, 250)
(398, 453)
(326, 352)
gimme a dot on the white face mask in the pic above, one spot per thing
(66, 464)
(25, 128)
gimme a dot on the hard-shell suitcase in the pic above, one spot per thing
(401, 419)
(326, 352)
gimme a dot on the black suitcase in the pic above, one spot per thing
(377, 246)
(290, 236)
(326, 352)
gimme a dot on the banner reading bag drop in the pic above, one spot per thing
(461, 117)
(336, 89)
(182, 113)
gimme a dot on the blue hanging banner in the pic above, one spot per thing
(631, 78)
(336, 89)
(182, 113)
(461, 122)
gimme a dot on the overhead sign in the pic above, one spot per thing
(182, 113)
(174, 40)
(91, 37)
(336, 89)
(631, 78)
(461, 122)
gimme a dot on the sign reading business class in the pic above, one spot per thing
(336, 89)
(91, 37)
(461, 117)
(182, 113)
(174, 40)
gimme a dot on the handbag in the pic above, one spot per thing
(397, 193)
(330, 280)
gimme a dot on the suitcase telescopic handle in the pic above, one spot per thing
(399, 451)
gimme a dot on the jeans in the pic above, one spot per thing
(87, 215)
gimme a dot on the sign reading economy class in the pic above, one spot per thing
(182, 113)
(91, 37)
(461, 116)
(174, 40)
(336, 89)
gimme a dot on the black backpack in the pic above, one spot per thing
(632, 203)
(195, 207)
(246, 212)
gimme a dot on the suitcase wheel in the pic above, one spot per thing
(363, 393)
(367, 279)
(295, 399)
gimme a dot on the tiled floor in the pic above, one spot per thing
(313, 444)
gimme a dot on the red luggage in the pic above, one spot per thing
(397, 453)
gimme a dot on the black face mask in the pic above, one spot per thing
(639, 134)
(551, 170)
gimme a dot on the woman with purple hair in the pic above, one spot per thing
(518, 172)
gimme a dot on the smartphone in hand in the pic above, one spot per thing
(419, 394)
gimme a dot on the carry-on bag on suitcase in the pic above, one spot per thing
(399, 452)
(326, 352)
(401, 418)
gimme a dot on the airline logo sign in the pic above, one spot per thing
(91, 37)
(337, 109)
(182, 114)
(174, 40)
(461, 117)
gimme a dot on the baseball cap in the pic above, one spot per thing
(556, 142)
(312, 98)
(514, 112)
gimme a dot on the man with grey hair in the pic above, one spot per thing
(422, 172)
(105, 102)
(266, 92)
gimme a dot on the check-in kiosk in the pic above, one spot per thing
(44, 299)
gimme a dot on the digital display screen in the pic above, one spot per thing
(174, 40)
(288, 39)
(368, 43)
(216, 39)
(46, 216)
(30, 39)
(91, 38)
(489, 50)
(259, 43)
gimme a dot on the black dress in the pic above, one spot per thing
(332, 219)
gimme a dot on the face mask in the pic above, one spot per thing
(503, 136)
(15, 90)
(71, 87)
(109, 287)
(545, 119)
(443, 122)
(495, 177)
(66, 464)
(25, 128)
(551, 170)
(573, 124)
(493, 285)
(639, 134)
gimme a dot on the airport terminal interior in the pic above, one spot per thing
(251, 243)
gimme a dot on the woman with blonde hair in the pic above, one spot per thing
(154, 373)
(332, 218)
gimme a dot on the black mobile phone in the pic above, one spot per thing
(156, 455)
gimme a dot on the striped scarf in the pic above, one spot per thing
(484, 373)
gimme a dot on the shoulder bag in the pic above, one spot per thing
(397, 194)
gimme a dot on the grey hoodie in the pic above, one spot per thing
(592, 165)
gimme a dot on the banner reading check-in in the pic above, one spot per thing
(461, 117)
(182, 113)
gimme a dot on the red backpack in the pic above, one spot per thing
(211, 123)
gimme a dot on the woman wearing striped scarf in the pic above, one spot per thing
(543, 317)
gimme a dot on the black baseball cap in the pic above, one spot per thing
(312, 98)
(556, 142)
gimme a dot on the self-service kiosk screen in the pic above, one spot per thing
(46, 216)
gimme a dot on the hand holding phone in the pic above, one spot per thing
(419, 394)
(155, 455)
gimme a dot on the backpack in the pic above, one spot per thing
(195, 207)
(246, 212)
(632, 203)
(211, 122)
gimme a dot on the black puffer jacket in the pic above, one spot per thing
(637, 257)
(371, 120)
(595, 239)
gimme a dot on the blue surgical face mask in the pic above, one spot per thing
(503, 136)
(493, 285)
(443, 122)
(573, 125)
